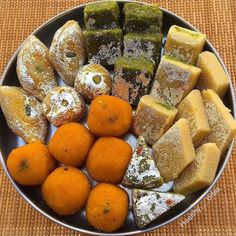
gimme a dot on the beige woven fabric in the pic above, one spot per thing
(217, 18)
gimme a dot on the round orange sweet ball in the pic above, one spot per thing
(71, 143)
(66, 190)
(30, 164)
(108, 159)
(109, 116)
(107, 207)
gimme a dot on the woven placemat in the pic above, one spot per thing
(216, 214)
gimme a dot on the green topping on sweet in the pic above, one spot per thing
(134, 64)
(155, 38)
(188, 32)
(71, 54)
(64, 103)
(39, 69)
(102, 15)
(142, 18)
(103, 46)
(97, 79)
(165, 105)
(28, 110)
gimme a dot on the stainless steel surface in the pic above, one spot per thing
(77, 222)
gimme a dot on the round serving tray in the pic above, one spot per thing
(78, 222)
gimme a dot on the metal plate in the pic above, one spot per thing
(78, 222)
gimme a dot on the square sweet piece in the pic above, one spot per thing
(174, 80)
(132, 78)
(192, 109)
(102, 15)
(212, 75)
(152, 118)
(147, 45)
(174, 150)
(201, 172)
(142, 18)
(103, 46)
(184, 44)
(222, 124)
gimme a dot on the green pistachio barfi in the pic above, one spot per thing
(102, 15)
(213, 75)
(222, 123)
(142, 171)
(132, 78)
(174, 150)
(149, 205)
(103, 46)
(174, 80)
(147, 45)
(152, 118)
(184, 44)
(201, 172)
(142, 18)
(192, 109)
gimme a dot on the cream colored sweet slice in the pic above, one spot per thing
(149, 205)
(23, 114)
(222, 123)
(67, 52)
(184, 44)
(174, 150)
(34, 70)
(152, 118)
(174, 80)
(201, 172)
(213, 75)
(192, 109)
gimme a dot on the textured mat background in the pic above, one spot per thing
(217, 18)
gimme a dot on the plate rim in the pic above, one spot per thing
(200, 198)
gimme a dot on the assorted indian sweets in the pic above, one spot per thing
(179, 109)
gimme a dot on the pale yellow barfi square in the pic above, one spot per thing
(192, 109)
(184, 44)
(174, 80)
(222, 123)
(213, 75)
(201, 172)
(174, 150)
(152, 118)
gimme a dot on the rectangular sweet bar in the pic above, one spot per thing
(132, 78)
(102, 15)
(174, 150)
(184, 44)
(142, 18)
(103, 46)
(222, 124)
(192, 109)
(152, 118)
(174, 80)
(201, 172)
(147, 45)
(213, 75)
